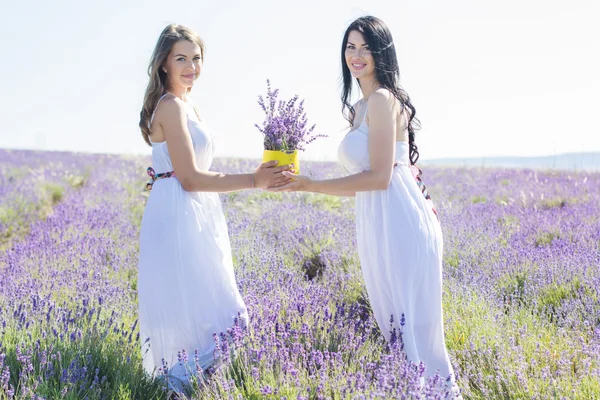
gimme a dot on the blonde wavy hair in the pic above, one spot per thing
(156, 85)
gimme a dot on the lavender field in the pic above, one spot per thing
(521, 289)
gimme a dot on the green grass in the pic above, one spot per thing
(495, 343)
(545, 238)
(17, 210)
(478, 199)
(452, 260)
(324, 201)
(557, 202)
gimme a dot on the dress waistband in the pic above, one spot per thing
(154, 177)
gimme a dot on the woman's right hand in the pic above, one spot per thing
(268, 175)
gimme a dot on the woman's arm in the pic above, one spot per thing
(334, 192)
(173, 120)
(382, 111)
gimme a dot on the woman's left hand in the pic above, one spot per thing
(299, 183)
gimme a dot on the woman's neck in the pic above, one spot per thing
(368, 85)
(178, 92)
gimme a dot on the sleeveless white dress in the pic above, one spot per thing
(400, 249)
(186, 285)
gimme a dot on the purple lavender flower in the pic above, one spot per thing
(285, 125)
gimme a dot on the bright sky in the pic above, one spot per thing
(516, 77)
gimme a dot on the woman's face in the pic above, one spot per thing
(359, 59)
(183, 65)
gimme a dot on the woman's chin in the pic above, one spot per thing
(188, 82)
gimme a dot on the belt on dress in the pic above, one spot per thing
(154, 177)
(416, 173)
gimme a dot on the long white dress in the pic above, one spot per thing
(186, 284)
(400, 249)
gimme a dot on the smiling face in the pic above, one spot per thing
(358, 56)
(183, 65)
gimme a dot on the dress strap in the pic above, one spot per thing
(153, 112)
(366, 107)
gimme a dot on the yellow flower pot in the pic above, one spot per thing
(283, 157)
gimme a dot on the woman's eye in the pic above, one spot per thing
(181, 59)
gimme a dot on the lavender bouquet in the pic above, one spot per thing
(285, 128)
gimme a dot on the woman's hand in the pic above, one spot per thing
(268, 175)
(298, 183)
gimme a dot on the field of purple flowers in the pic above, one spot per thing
(521, 289)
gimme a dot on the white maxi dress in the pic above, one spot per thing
(400, 249)
(186, 285)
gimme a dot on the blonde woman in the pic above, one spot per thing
(186, 285)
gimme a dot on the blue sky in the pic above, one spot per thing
(487, 78)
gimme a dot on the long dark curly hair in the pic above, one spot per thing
(379, 38)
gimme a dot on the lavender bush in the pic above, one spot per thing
(285, 125)
(521, 291)
(31, 183)
(67, 288)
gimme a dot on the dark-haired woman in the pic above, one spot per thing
(398, 234)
